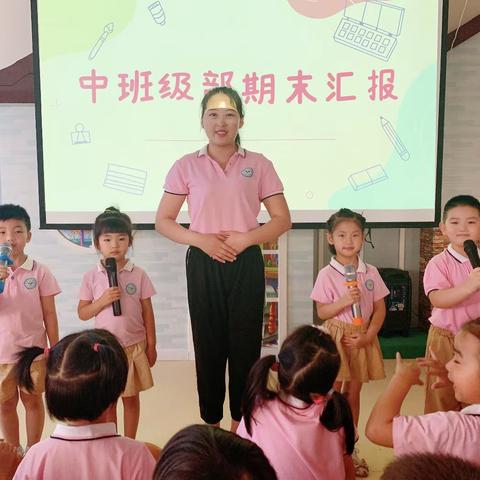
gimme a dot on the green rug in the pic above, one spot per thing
(412, 346)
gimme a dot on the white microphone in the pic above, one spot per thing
(5, 260)
(350, 282)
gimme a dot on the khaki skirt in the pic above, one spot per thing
(139, 376)
(443, 399)
(361, 364)
(9, 385)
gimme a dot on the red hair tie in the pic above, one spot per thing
(96, 347)
(46, 351)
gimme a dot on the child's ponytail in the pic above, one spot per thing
(22, 367)
(257, 391)
(337, 414)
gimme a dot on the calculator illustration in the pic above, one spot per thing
(372, 27)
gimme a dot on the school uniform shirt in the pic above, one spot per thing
(452, 433)
(223, 199)
(92, 451)
(330, 287)
(295, 442)
(449, 269)
(21, 313)
(135, 285)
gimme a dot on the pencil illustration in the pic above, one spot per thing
(395, 139)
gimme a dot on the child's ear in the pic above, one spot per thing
(329, 238)
(442, 228)
(29, 236)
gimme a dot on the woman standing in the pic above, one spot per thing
(224, 186)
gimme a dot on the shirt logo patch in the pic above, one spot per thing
(131, 288)
(247, 172)
(369, 284)
(30, 283)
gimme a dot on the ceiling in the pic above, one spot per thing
(455, 12)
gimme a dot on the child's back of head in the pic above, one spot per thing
(308, 364)
(86, 373)
(430, 466)
(203, 452)
(304, 427)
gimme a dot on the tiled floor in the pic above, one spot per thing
(172, 404)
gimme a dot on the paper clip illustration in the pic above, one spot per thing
(80, 135)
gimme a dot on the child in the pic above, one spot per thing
(204, 452)
(450, 433)
(86, 373)
(430, 466)
(453, 289)
(358, 345)
(135, 327)
(27, 317)
(305, 428)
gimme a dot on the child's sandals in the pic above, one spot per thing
(360, 465)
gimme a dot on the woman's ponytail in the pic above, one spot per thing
(257, 391)
(22, 367)
(337, 414)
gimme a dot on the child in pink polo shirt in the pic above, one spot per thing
(450, 433)
(453, 288)
(86, 373)
(27, 317)
(304, 426)
(357, 343)
(135, 326)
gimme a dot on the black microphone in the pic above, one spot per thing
(111, 268)
(351, 281)
(471, 250)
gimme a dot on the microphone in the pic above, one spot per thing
(111, 268)
(351, 281)
(471, 250)
(5, 260)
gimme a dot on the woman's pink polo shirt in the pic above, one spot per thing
(227, 199)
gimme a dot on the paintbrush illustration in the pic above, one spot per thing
(107, 30)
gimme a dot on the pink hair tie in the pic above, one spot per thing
(318, 399)
(46, 351)
(96, 347)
